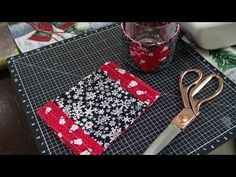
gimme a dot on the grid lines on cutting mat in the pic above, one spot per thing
(46, 73)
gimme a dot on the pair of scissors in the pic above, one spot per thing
(189, 112)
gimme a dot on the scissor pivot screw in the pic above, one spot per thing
(183, 119)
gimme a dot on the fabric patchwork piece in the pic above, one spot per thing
(91, 115)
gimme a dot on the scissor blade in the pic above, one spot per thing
(163, 140)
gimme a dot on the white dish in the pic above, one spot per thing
(211, 35)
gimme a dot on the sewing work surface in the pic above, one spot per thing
(42, 74)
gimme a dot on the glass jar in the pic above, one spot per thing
(150, 45)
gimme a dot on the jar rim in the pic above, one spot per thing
(161, 26)
(122, 25)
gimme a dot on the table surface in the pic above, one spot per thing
(15, 136)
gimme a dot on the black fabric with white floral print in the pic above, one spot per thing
(101, 107)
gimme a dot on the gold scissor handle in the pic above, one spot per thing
(197, 103)
(184, 90)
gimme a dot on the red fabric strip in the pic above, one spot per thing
(129, 82)
(45, 26)
(40, 38)
(71, 134)
(66, 25)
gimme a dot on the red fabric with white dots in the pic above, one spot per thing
(69, 133)
(150, 58)
(132, 84)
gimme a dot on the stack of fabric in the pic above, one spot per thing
(22, 37)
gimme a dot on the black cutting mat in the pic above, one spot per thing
(42, 74)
